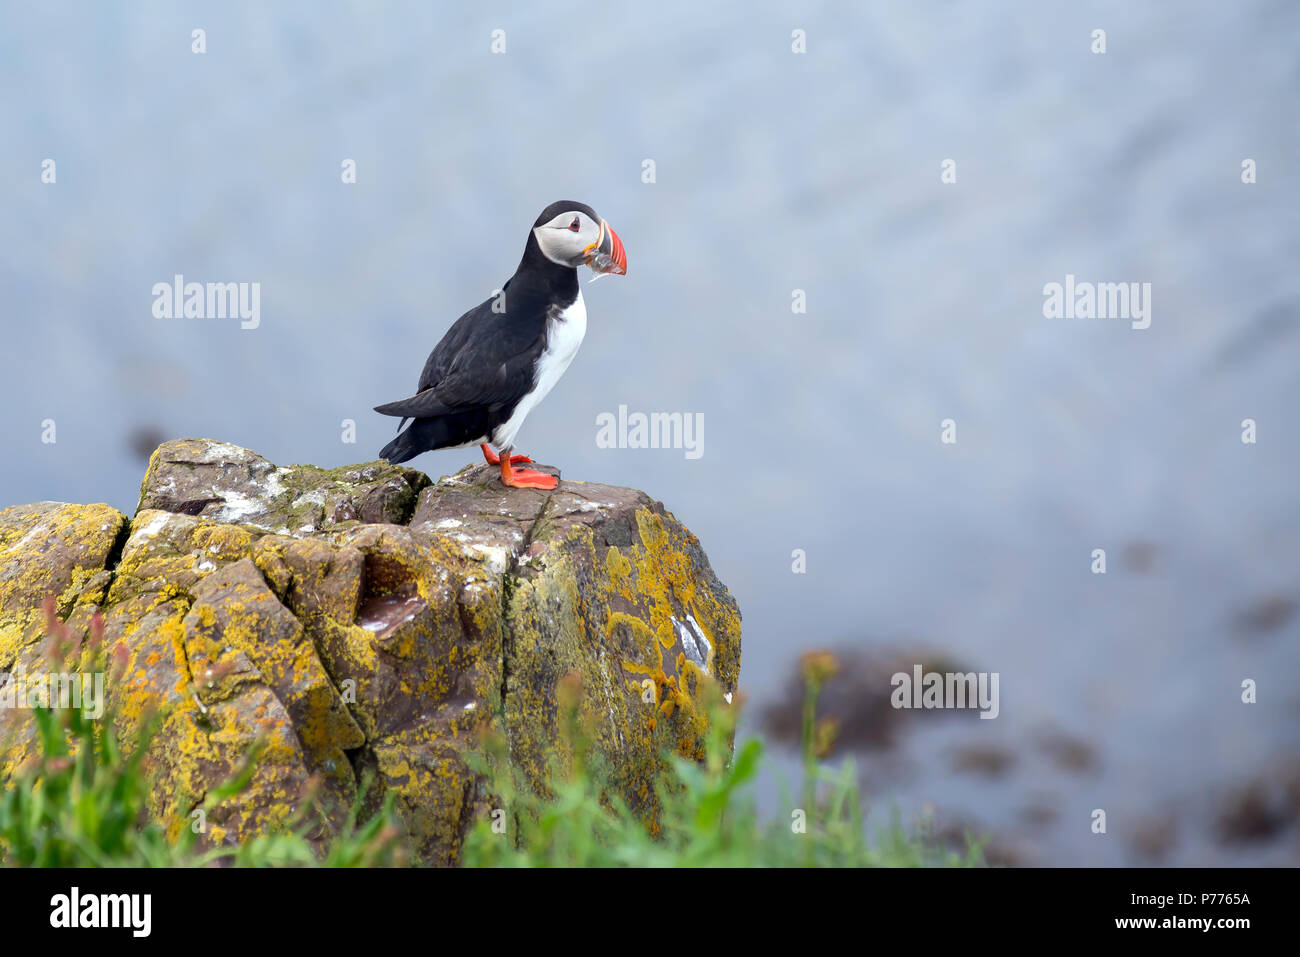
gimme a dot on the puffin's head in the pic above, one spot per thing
(571, 234)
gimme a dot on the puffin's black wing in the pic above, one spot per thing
(486, 359)
(421, 405)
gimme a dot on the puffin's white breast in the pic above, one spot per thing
(564, 334)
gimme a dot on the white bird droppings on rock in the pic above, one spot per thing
(155, 525)
(695, 645)
(494, 555)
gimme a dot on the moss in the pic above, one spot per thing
(155, 460)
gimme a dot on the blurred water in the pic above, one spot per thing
(775, 171)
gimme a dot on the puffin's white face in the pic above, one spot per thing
(573, 238)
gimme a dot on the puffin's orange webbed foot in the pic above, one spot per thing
(494, 459)
(525, 478)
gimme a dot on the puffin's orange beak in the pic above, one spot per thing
(607, 254)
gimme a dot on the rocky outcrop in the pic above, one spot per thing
(366, 622)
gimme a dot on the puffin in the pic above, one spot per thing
(501, 358)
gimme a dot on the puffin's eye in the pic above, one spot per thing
(574, 225)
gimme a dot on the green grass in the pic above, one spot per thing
(81, 802)
(708, 811)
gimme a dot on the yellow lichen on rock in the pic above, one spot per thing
(364, 622)
(50, 548)
(643, 622)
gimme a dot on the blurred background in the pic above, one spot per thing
(774, 171)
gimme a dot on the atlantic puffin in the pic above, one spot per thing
(501, 358)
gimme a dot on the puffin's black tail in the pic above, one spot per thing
(401, 448)
(423, 435)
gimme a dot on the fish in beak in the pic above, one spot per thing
(607, 255)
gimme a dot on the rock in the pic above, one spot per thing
(52, 549)
(365, 623)
(990, 760)
(1262, 807)
(857, 698)
(232, 485)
